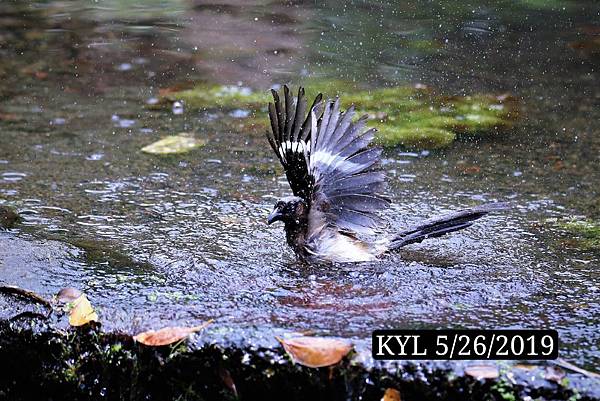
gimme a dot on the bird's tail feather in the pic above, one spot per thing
(441, 225)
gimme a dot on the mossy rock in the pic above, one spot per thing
(408, 116)
(415, 137)
(204, 96)
(586, 233)
(8, 217)
(480, 113)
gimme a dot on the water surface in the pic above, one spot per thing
(184, 239)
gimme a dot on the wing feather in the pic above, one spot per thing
(314, 111)
(348, 184)
(299, 116)
(341, 128)
(289, 113)
(353, 220)
(360, 202)
(289, 139)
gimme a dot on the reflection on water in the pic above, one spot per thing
(185, 238)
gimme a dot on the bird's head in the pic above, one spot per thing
(289, 209)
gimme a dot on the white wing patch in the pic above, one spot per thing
(296, 147)
(332, 161)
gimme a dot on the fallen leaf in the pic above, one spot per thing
(558, 165)
(567, 365)
(525, 366)
(8, 117)
(471, 170)
(482, 371)
(167, 335)
(68, 294)
(316, 352)
(82, 312)
(554, 373)
(175, 88)
(173, 144)
(228, 381)
(391, 394)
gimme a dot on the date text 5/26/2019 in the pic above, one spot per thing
(465, 344)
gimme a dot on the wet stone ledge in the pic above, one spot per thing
(43, 361)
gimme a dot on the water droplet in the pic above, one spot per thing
(177, 107)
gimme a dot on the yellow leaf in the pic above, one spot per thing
(167, 335)
(173, 144)
(316, 352)
(482, 371)
(82, 312)
(391, 394)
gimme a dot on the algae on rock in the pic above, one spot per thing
(586, 233)
(408, 116)
(205, 96)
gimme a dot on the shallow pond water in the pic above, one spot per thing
(181, 239)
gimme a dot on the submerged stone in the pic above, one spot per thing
(8, 217)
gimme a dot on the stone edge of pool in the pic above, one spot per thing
(87, 363)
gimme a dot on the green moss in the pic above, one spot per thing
(424, 45)
(415, 137)
(504, 389)
(586, 233)
(479, 113)
(204, 96)
(547, 4)
(406, 116)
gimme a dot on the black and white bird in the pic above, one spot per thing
(335, 176)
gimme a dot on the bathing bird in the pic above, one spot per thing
(337, 183)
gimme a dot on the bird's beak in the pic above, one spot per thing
(274, 216)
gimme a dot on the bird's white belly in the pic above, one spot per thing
(337, 247)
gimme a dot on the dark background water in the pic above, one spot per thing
(177, 240)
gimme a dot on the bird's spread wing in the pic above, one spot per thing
(290, 139)
(328, 162)
(347, 180)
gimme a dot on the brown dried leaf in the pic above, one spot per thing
(569, 366)
(471, 170)
(391, 394)
(554, 373)
(8, 117)
(68, 294)
(167, 335)
(316, 352)
(482, 371)
(228, 381)
(82, 312)
(175, 88)
(525, 366)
